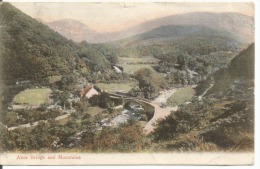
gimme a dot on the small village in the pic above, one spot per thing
(88, 90)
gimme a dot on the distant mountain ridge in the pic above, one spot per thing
(192, 39)
(234, 23)
(73, 29)
(177, 32)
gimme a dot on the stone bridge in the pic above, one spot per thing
(153, 111)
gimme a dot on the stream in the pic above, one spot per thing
(133, 112)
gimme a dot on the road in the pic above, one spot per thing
(37, 122)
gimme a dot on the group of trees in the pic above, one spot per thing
(110, 76)
(98, 57)
(103, 100)
(126, 138)
(149, 82)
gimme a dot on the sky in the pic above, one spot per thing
(111, 17)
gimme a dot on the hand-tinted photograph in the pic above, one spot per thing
(126, 78)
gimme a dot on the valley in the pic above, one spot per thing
(178, 83)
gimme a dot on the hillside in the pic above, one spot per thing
(246, 61)
(241, 69)
(181, 34)
(31, 50)
(74, 30)
(168, 42)
(222, 120)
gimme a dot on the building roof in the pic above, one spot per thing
(85, 90)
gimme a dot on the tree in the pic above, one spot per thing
(165, 129)
(102, 100)
(149, 82)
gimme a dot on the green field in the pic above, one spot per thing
(33, 96)
(132, 64)
(115, 87)
(124, 60)
(130, 69)
(181, 96)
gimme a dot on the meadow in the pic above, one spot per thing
(181, 96)
(33, 97)
(115, 87)
(132, 64)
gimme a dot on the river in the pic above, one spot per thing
(135, 111)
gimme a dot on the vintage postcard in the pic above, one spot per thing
(127, 83)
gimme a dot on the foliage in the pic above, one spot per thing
(149, 82)
(31, 49)
(102, 100)
(19, 117)
(127, 138)
(97, 56)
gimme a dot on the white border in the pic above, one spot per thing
(257, 83)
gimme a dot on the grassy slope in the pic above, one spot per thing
(181, 96)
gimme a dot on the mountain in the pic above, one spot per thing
(74, 30)
(32, 50)
(239, 25)
(175, 39)
(176, 33)
(234, 23)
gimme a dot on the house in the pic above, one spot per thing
(118, 69)
(88, 91)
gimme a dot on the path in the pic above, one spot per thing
(159, 113)
(200, 97)
(37, 122)
(164, 95)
